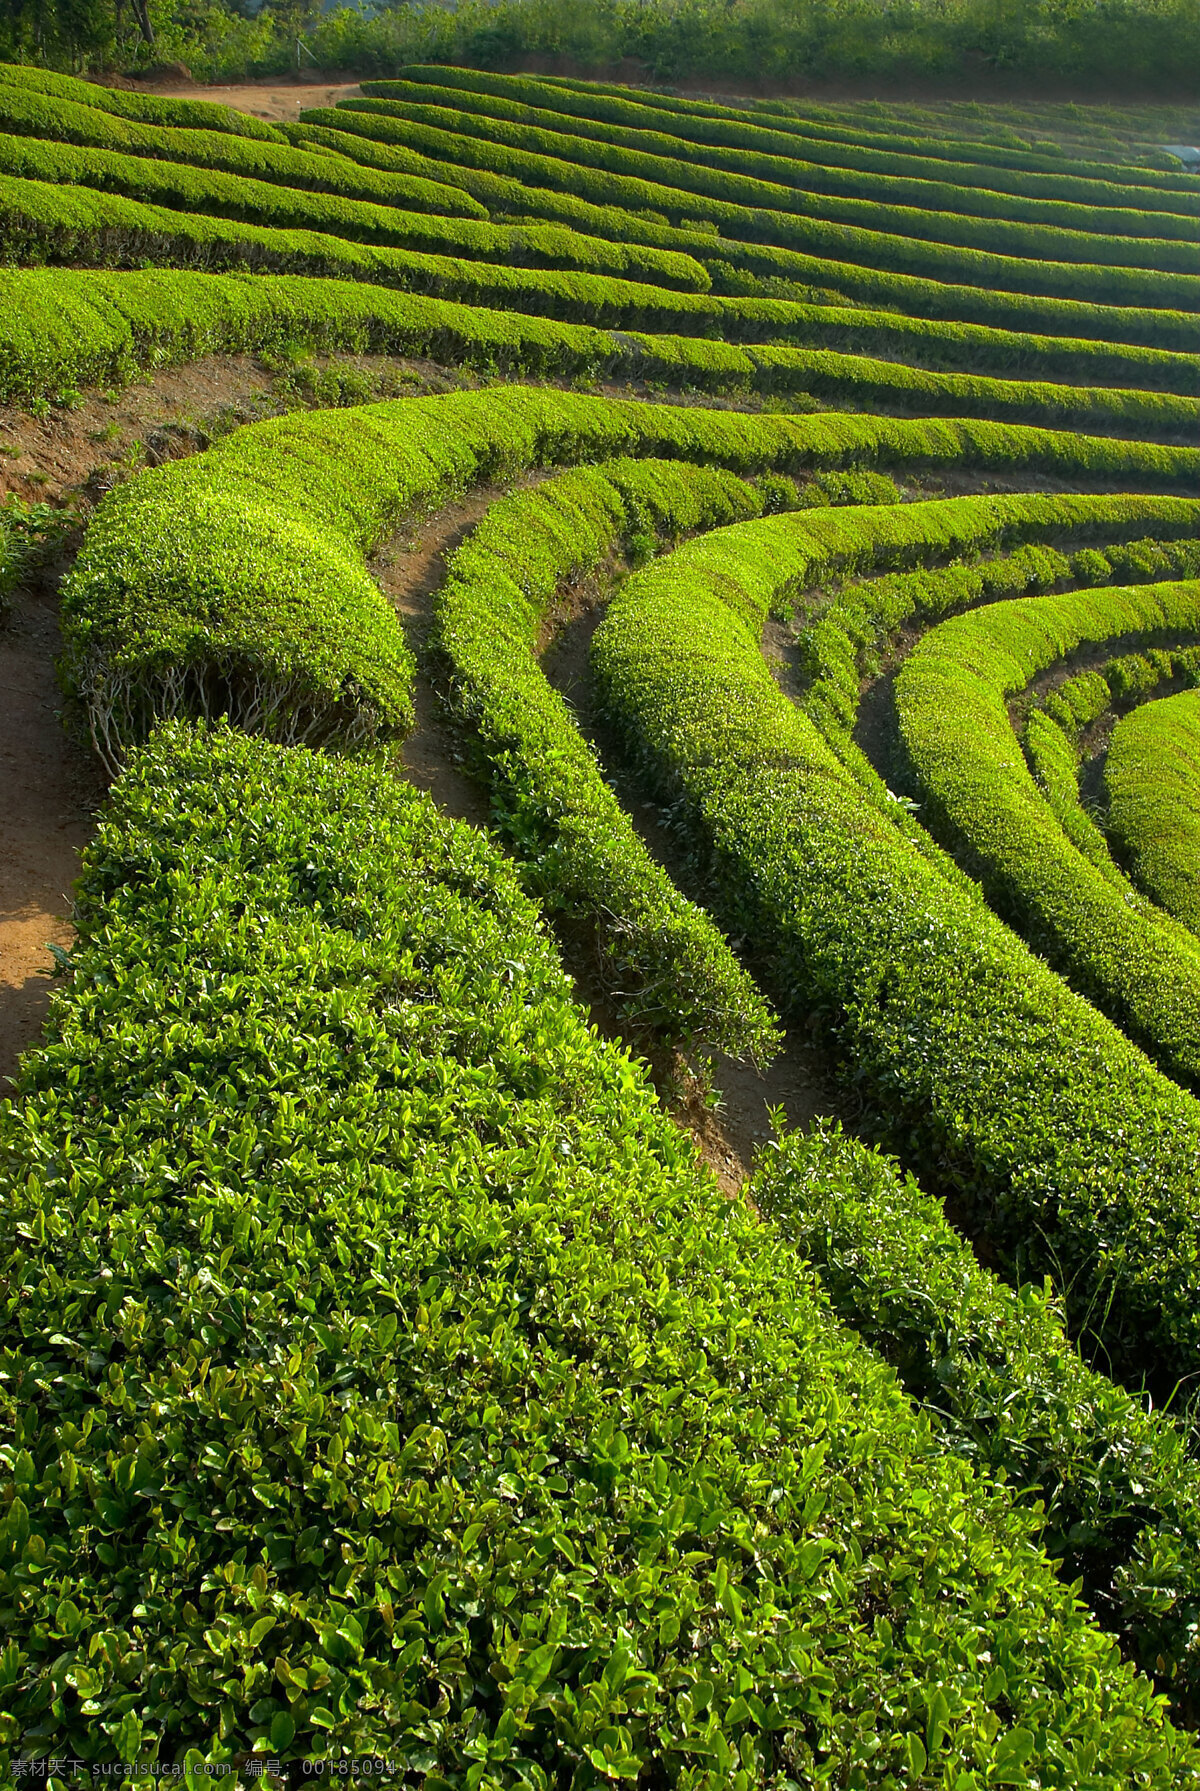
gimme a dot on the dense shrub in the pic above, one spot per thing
(386, 1378)
(928, 211)
(743, 206)
(963, 1048)
(1152, 773)
(664, 965)
(869, 266)
(1005, 1389)
(951, 707)
(853, 156)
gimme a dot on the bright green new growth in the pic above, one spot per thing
(147, 107)
(962, 1046)
(200, 592)
(929, 211)
(840, 643)
(1005, 1389)
(742, 206)
(385, 219)
(1152, 773)
(236, 582)
(992, 170)
(71, 142)
(951, 704)
(381, 1372)
(484, 1427)
(64, 328)
(1052, 734)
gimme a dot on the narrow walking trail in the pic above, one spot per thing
(49, 791)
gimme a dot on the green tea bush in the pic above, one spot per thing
(968, 286)
(214, 153)
(1152, 774)
(999, 1083)
(1050, 738)
(838, 645)
(386, 1378)
(928, 211)
(838, 377)
(45, 222)
(852, 165)
(217, 151)
(63, 328)
(32, 535)
(994, 165)
(742, 206)
(178, 186)
(276, 522)
(1005, 1389)
(245, 599)
(149, 108)
(77, 224)
(66, 328)
(980, 796)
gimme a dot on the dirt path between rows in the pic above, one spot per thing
(49, 791)
(281, 102)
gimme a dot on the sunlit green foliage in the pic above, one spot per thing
(1153, 778)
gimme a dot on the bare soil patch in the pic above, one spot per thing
(176, 411)
(280, 100)
(408, 569)
(49, 793)
(50, 457)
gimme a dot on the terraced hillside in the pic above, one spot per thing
(788, 515)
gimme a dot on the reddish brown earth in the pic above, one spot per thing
(279, 101)
(46, 458)
(49, 791)
(50, 787)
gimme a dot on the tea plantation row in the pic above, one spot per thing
(382, 1372)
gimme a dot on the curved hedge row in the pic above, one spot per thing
(63, 329)
(301, 645)
(487, 1433)
(41, 221)
(110, 228)
(1100, 204)
(758, 239)
(1005, 1390)
(1051, 734)
(242, 601)
(933, 212)
(663, 963)
(741, 206)
(149, 108)
(839, 645)
(1001, 1083)
(1174, 189)
(951, 706)
(1152, 774)
(282, 514)
(52, 121)
(199, 190)
(874, 383)
(264, 610)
